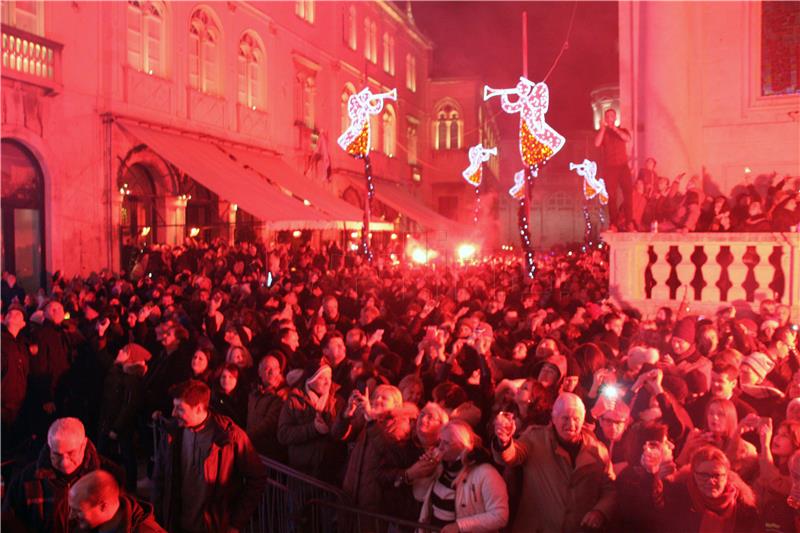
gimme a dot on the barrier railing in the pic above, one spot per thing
(708, 270)
(294, 502)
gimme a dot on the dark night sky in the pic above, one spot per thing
(483, 39)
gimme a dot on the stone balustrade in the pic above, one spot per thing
(31, 58)
(705, 270)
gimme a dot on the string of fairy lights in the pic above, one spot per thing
(538, 143)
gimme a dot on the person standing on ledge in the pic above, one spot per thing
(611, 141)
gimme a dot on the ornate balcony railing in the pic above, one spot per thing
(708, 270)
(31, 58)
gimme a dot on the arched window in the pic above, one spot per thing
(138, 205)
(370, 40)
(345, 98)
(411, 73)
(374, 132)
(205, 42)
(389, 131)
(388, 54)
(305, 10)
(22, 213)
(350, 28)
(146, 37)
(448, 128)
(306, 90)
(252, 70)
(411, 140)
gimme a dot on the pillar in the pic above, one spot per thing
(227, 217)
(175, 215)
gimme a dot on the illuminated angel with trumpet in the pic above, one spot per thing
(356, 139)
(592, 185)
(538, 142)
(477, 156)
(517, 191)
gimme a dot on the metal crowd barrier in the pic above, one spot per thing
(294, 502)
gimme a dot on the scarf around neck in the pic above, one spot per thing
(717, 515)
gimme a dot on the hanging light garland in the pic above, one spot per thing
(538, 143)
(593, 187)
(473, 174)
(356, 141)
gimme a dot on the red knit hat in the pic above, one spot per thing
(686, 329)
(136, 353)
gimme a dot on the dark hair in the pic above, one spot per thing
(729, 370)
(449, 395)
(192, 392)
(329, 337)
(230, 367)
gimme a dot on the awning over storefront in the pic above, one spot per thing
(396, 197)
(277, 171)
(206, 163)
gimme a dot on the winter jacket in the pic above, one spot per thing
(481, 498)
(235, 477)
(375, 464)
(51, 362)
(167, 370)
(16, 364)
(556, 494)
(681, 516)
(309, 451)
(122, 398)
(263, 411)
(137, 517)
(231, 405)
(37, 497)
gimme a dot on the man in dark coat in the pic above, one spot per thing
(97, 504)
(16, 361)
(51, 358)
(37, 497)
(208, 476)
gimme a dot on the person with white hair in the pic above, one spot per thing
(37, 497)
(567, 479)
(461, 490)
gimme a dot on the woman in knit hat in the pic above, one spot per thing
(305, 422)
(123, 395)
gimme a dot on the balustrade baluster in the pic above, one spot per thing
(660, 270)
(737, 272)
(763, 271)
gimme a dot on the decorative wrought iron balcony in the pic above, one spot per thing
(31, 58)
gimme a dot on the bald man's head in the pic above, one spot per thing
(66, 439)
(94, 499)
(568, 416)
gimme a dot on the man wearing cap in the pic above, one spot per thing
(683, 349)
(756, 391)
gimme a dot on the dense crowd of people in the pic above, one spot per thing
(464, 397)
(651, 202)
(658, 204)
